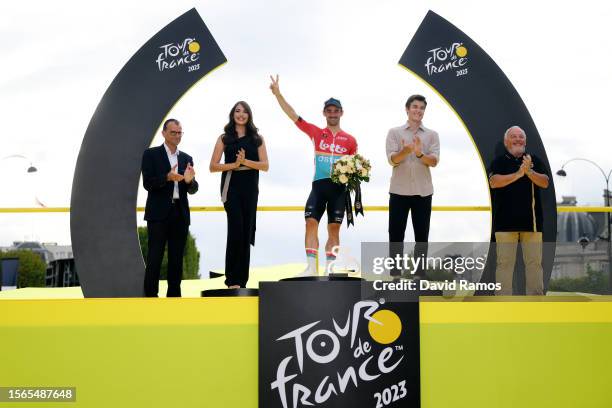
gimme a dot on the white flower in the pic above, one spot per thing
(344, 169)
(364, 172)
(338, 166)
(343, 179)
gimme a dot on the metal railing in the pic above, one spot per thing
(16, 210)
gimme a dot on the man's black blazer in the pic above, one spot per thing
(155, 168)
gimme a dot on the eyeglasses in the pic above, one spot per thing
(175, 133)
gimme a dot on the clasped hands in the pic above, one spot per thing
(188, 176)
(526, 165)
(240, 158)
(416, 146)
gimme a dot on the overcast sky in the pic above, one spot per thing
(59, 57)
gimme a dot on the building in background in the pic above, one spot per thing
(581, 242)
(60, 271)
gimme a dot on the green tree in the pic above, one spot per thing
(596, 282)
(191, 260)
(31, 269)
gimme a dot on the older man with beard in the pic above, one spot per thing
(516, 179)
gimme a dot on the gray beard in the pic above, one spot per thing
(517, 151)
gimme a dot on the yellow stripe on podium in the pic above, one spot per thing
(129, 312)
(521, 309)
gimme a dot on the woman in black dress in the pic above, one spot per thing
(245, 155)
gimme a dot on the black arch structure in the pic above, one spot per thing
(487, 103)
(105, 184)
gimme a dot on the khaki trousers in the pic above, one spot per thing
(531, 243)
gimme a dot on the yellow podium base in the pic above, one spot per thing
(202, 352)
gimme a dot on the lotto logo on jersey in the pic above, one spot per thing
(334, 148)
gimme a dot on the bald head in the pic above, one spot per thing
(515, 141)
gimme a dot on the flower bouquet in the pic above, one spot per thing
(350, 171)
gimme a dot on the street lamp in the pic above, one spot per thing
(563, 173)
(31, 169)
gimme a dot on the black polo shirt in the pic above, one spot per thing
(516, 207)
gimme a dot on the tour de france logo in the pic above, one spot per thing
(450, 58)
(185, 53)
(321, 342)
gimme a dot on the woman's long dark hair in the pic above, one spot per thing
(230, 136)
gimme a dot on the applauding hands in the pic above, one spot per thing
(188, 177)
(189, 173)
(173, 175)
(416, 146)
(407, 147)
(526, 166)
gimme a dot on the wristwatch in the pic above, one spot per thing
(418, 157)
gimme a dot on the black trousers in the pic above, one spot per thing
(399, 208)
(172, 230)
(241, 210)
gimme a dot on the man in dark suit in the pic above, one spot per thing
(168, 175)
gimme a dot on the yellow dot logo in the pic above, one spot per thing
(461, 51)
(194, 47)
(388, 328)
